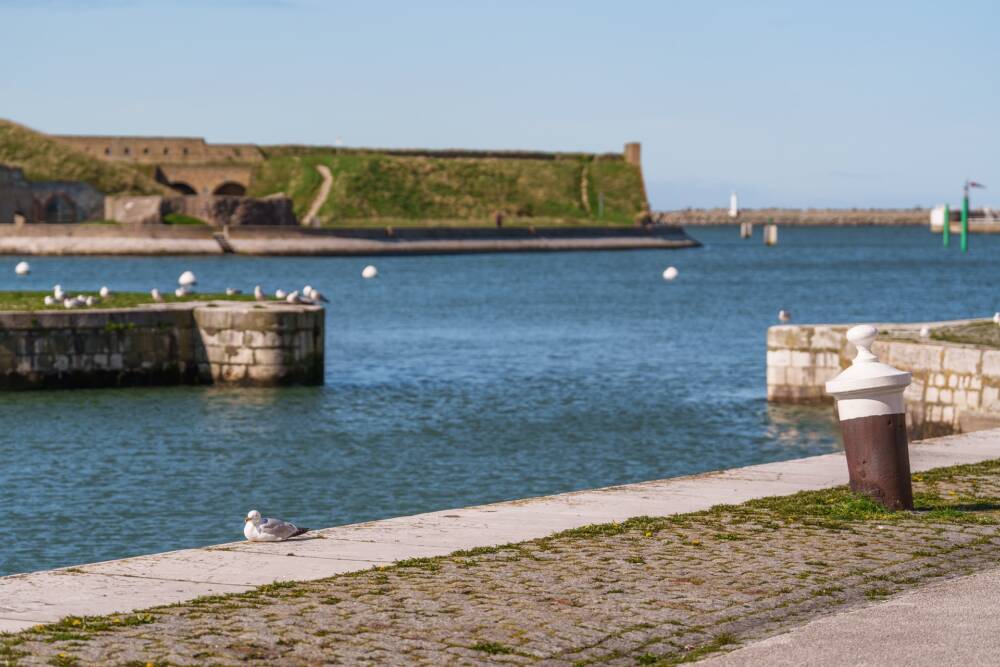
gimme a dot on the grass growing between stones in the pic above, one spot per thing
(31, 301)
(650, 590)
(985, 332)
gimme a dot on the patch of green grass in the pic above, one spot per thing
(492, 648)
(31, 301)
(982, 332)
(181, 219)
(877, 593)
(429, 564)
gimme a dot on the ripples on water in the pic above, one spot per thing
(457, 380)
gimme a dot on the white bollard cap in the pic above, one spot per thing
(868, 387)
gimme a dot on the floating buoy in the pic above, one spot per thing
(22, 268)
(670, 273)
(784, 316)
(187, 279)
(369, 272)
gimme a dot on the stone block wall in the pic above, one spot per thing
(170, 344)
(955, 387)
(217, 210)
(276, 345)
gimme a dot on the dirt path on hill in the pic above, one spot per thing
(324, 192)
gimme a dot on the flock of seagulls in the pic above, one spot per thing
(185, 286)
(59, 296)
(307, 295)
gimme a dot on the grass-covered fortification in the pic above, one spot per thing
(406, 189)
(45, 159)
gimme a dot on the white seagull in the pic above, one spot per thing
(307, 291)
(317, 296)
(22, 268)
(181, 292)
(89, 301)
(155, 293)
(784, 316)
(57, 293)
(257, 529)
(258, 293)
(49, 300)
(187, 279)
(280, 294)
(293, 297)
(233, 291)
(369, 272)
(69, 303)
(105, 292)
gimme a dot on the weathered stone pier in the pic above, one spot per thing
(212, 342)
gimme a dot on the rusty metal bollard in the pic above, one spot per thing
(873, 422)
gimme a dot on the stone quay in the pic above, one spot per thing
(193, 343)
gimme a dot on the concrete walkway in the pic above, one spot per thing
(136, 583)
(952, 623)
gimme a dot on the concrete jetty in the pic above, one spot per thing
(145, 581)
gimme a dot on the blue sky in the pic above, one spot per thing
(791, 104)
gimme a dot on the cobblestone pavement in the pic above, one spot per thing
(646, 591)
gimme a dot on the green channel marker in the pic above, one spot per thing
(965, 221)
(946, 230)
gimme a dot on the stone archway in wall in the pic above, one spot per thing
(59, 209)
(183, 188)
(231, 188)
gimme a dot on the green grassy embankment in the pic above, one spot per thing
(371, 188)
(31, 301)
(45, 159)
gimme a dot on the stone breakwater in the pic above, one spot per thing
(916, 217)
(955, 387)
(218, 342)
(115, 239)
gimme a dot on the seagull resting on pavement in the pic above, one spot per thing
(257, 529)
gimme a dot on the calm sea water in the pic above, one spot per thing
(457, 380)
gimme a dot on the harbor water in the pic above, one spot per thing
(457, 380)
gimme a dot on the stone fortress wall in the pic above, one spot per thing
(27, 201)
(161, 150)
(955, 387)
(223, 342)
